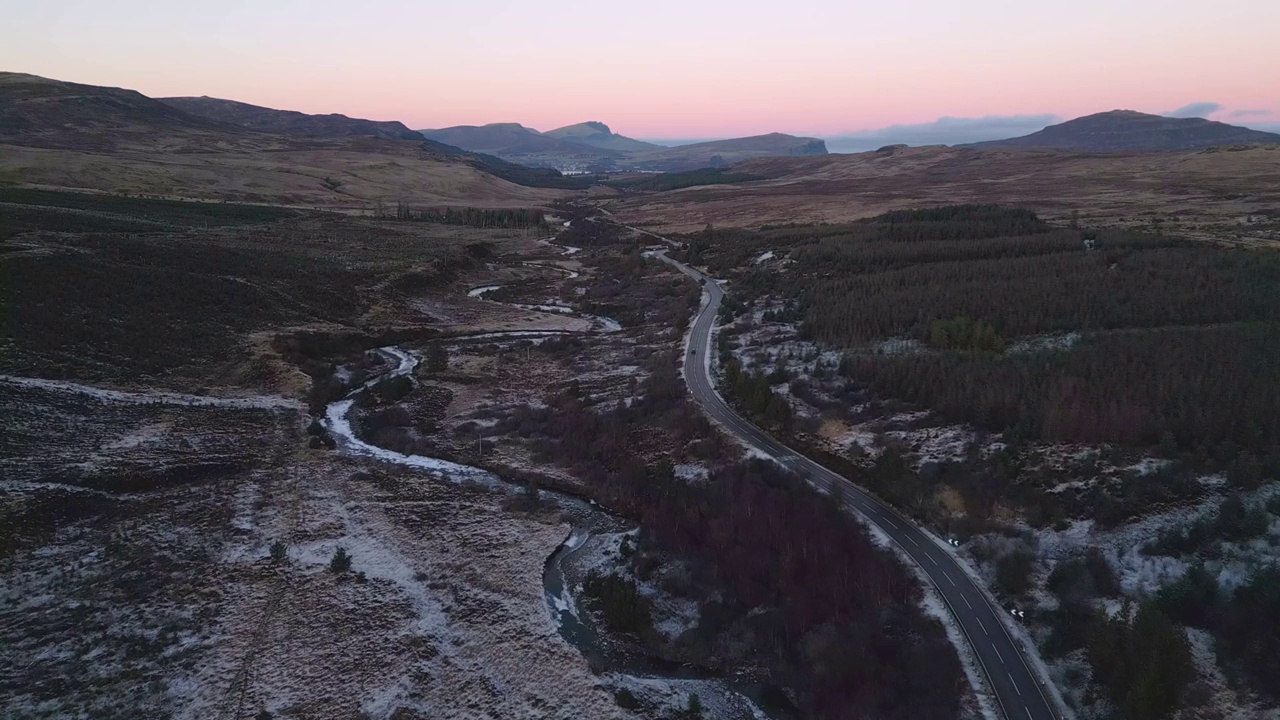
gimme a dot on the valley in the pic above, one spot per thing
(308, 416)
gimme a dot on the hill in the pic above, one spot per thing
(83, 137)
(1129, 131)
(1203, 194)
(39, 112)
(598, 135)
(719, 153)
(507, 140)
(288, 122)
(593, 146)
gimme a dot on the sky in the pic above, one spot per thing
(676, 69)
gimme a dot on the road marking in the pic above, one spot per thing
(935, 562)
(966, 601)
(1015, 684)
(894, 524)
(1024, 707)
(913, 541)
(993, 647)
(953, 582)
(984, 628)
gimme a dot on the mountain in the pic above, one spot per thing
(598, 135)
(719, 153)
(57, 134)
(288, 122)
(39, 112)
(592, 145)
(1129, 131)
(506, 140)
(1199, 193)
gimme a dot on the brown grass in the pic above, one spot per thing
(1206, 194)
(369, 172)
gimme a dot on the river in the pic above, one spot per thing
(734, 697)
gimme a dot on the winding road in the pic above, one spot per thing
(1017, 687)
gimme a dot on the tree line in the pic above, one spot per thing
(506, 218)
(1179, 339)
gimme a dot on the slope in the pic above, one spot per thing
(67, 135)
(1221, 194)
(39, 112)
(718, 153)
(598, 135)
(1129, 131)
(288, 122)
(504, 140)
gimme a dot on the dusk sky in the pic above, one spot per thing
(670, 69)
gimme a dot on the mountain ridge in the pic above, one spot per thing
(57, 134)
(592, 145)
(598, 135)
(1132, 131)
(288, 122)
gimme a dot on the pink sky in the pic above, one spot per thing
(663, 68)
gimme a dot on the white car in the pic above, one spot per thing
(1017, 613)
(953, 542)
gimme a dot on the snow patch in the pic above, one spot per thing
(482, 290)
(157, 397)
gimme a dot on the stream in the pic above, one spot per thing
(742, 698)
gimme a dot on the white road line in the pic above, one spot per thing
(894, 524)
(935, 562)
(1024, 707)
(913, 541)
(948, 577)
(993, 647)
(984, 627)
(1015, 684)
(966, 601)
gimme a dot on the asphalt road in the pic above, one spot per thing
(1016, 686)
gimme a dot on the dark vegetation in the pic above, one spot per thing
(141, 307)
(678, 180)
(1143, 660)
(591, 233)
(1234, 521)
(1172, 350)
(1140, 657)
(625, 610)
(518, 218)
(631, 296)
(103, 287)
(1245, 622)
(1178, 339)
(823, 610)
(512, 172)
(139, 210)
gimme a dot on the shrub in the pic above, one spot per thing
(279, 552)
(340, 562)
(1013, 572)
(625, 610)
(626, 699)
(1144, 662)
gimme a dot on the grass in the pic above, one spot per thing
(140, 211)
(98, 287)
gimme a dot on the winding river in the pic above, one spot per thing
(559, 583)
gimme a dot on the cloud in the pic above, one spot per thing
(1249, 113)
(943, 131)
(1194, 110)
